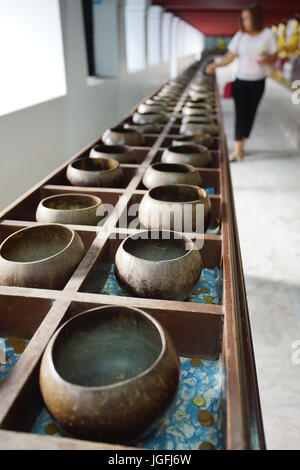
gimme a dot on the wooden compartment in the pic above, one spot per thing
(187, 331)
(129, 220)
(214, 332)
(174, 134)
(21, 316)
(7, 229)
(214, 153)
(210, 176)
(26, 210)
(148, 141)
(141, 152)
(128, 173)
(96, 279)
(179, 117)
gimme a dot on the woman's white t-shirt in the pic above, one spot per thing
(249, 49)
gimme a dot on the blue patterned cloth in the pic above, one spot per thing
(181, 429)
(210, 190)
(9, 355)
(208, 289)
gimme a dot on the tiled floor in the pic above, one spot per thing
(267, 197)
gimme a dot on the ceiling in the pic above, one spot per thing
(221, 17)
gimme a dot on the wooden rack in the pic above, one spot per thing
(198, 330)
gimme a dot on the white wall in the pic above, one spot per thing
(34, 141)
(31, 53)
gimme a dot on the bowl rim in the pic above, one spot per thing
(191, 168)
(116, 165)
(123, 150)
(142, 131)
(153, 104)
(171, 260)
(194, 201)
(73, 234)
(191, 117)
(151, 113)
(97, 204)
(190, 138)
(122, 130)
(198, 111)
(158, 328)
(196, 149)
(201, 105)
(197, 127)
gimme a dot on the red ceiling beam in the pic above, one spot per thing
(220, 17)
(222, 5)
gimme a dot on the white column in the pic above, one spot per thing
(135, 26)
(166, 27)
(174, 47)
(180, 38)
(199, 45)
(154, 39)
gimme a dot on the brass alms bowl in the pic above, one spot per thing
(71, 208)
(43, 256)
(156, 102)
(101, 172)
(198, 118)
(121, 153)
(150, 118)
(122, 136)
(153, 128)
(195, 155)
(198, 105)
(198, 111)
(158, 265)
(155, 107)
(198, 139)
(110, 374)
(193, 127)
(171, 173)
(179, 207)
(160, 99)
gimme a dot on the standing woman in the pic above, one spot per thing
(256, 48)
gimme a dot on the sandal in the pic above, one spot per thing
(235, 157)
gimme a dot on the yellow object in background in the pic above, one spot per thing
(222, 44)
(281, 34)
(281, 41)
(293, 42)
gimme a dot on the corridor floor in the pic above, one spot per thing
(267, 197)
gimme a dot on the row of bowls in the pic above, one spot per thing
(174, 206)
(20, 253)
(115, 366)
(102, 168)
(155, 264)
(110, 373)
(198, 110)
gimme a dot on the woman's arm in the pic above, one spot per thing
(229, 57)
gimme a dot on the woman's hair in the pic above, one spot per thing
(257, 16)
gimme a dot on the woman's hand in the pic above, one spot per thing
(211, 68)
(267, 58)
(227, 59)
